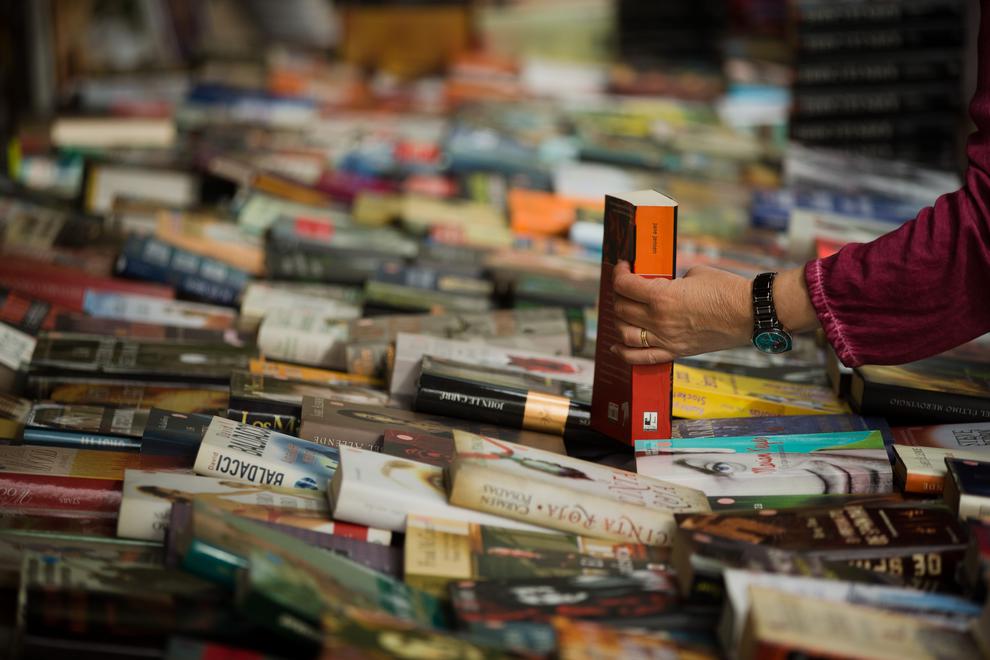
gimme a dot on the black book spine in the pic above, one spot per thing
(940, 66)
(829, 14)
(288, 424)
(887, 38)
(259, 406)
(922, 406)
(872, 99)
(532, 411)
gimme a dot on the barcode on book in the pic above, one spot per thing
(650, 421)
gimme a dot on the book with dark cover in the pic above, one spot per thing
(907, 67)
(928, 391)
(129, 422)
(632, 402)
(532, 411)
(288, 424)
(137, 331)
(200, 398)
(174, 433)
(258, 393)
(110, 357)
(192, 275)
(78, 440)
(742, 503)
(317, 267)
(416, 446)
(967, 487)
(333, 422)
(740, 426)
(503, 379)
(24, 313)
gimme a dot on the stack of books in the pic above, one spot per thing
(305, 365)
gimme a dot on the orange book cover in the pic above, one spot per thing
(632, 402)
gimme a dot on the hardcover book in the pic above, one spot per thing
(381, 491)
(565, 493)
(198, 398)
(439, 551)
(82, 463)
(739, 426)
(248, 453)
(967, 487)
(632, 401)
(922, 469)
(129, 422)
(174, 433)
(973, 436)
(259, 393)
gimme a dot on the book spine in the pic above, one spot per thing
(372, 549)
(288, 424)
(77, 440)
(939, 66)
(213, 461)
(354, 503)
(25, 314)
(16, 347)
(532, 411)
(924, 405)
(881, 39)
(830, 15)
(480, 488)
(323, 268)
(72, 494)
(815, 103)
(337, 436)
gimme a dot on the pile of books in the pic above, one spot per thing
(283, 376)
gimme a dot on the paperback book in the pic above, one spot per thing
(922, 469)
(632, 401)
(565, 493)
(967, 487)
(248, 453)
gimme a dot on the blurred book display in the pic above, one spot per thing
(306, 312)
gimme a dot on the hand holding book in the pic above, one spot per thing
(706, 310)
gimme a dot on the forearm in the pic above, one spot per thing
(793, 302)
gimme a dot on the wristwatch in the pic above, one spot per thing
(769, 335)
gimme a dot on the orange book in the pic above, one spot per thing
(543, 213)
(632, 402)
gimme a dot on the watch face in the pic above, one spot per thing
(772, 341)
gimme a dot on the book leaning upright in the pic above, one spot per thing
(565, 493)
(632, 402)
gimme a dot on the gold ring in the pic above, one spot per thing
(643, 338)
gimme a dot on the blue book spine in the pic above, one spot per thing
(77, 440)
(194, 275)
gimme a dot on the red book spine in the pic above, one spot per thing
(36, 492)
(67, 287)
(632, 402)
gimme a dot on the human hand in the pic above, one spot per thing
(706, 310)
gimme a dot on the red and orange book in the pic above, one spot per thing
(632, 402)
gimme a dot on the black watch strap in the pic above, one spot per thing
(764, 311)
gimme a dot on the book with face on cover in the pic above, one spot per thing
(242, 452)
(921, 469)
(439, 550)
(566, 493)
(377, 490)
(782, 625)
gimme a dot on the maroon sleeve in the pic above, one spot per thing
(925, 287)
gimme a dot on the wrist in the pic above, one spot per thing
(793, 302)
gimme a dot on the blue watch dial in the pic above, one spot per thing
(772, 341)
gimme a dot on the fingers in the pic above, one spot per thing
(632, 312)
(643, 355)
(633, 335)
(633, 286)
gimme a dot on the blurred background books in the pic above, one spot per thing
(298, 315)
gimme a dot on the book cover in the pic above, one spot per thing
(138, 330)
(78, 440)
(439, 551)
(701, 393)
(932, 391)
(739, 426)
(26, 314)
(416, 446)
(780, 624)
(148, 498)
(922, 469)
(565, 493)
(82, 463)
(376, 490)
(174, 433)
(576, 640)
(967, 487)
(259, 393)
(200, 398)
(390, 296)
(287, 424)
(122, 358)
(943, 609)
(16, 348)
(790, 442)
(46, 492)
(248, 453)
(261, 300)
(160, 311)
(737, 503)
(333, 422)
(285, 371)
(502, 379)
(410, 349)
(304, 336)
(966, 437)
(129, 422)
(632, 401)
